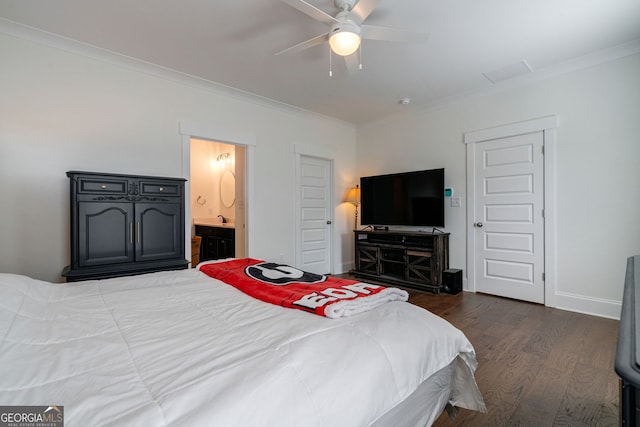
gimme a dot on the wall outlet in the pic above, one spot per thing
(456, 202)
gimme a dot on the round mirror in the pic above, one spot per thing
(228, 189)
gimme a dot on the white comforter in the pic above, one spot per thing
(180, 348)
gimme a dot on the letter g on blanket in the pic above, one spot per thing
(280, 275)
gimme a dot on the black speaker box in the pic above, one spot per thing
(452, 281)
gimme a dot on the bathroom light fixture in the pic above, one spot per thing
(353, 197)
(223, 158)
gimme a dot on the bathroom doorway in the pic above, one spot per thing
(217, 200)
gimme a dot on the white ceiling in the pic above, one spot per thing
(233, 43)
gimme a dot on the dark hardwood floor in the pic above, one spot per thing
(537, 366)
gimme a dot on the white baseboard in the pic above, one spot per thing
(580, 304)
(587, 305)
(599, 307)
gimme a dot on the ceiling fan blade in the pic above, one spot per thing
(353, 63)
(372, 32)
(311, 11)
(364, 8)
(304, 45)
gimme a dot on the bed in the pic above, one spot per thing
(181, 348)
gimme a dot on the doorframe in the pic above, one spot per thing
(218, 133)
(329, 155)
(547, 125)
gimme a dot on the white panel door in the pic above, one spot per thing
(315, 215)
(509, 222)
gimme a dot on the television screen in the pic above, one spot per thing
(409, 198)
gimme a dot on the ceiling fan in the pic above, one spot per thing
(346, 28)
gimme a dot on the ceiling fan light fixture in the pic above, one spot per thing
(344, 39)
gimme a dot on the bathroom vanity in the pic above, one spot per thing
(218, 240)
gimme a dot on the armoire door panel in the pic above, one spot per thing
(105, 233)
(157, 231)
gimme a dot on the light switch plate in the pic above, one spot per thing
(456, 202)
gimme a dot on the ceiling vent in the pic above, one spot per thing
(509, 72)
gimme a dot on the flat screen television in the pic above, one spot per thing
(408, 199)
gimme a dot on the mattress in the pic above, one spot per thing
(180, 348)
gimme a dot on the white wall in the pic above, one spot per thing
(598, 168)
(61, 111)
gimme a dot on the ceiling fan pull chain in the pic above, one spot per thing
(360, 57)
(330, 64)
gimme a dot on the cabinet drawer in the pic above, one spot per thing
(156, 188)
(102, 185)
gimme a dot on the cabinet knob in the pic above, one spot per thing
(103, 186)
(161, 188)
(478, 225)
(329, 222)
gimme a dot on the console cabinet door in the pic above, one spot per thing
(159, 231)
(105, 233)
(367, 259)
(420, 267)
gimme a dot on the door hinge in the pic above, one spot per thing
(542, 213)
(542, 150)
(543, 277)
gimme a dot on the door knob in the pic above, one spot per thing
(478, 225)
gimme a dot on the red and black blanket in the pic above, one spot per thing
(289, 287)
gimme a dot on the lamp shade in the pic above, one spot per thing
(353, 196)
(344, 39)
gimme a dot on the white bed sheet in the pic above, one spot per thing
(180, 348)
